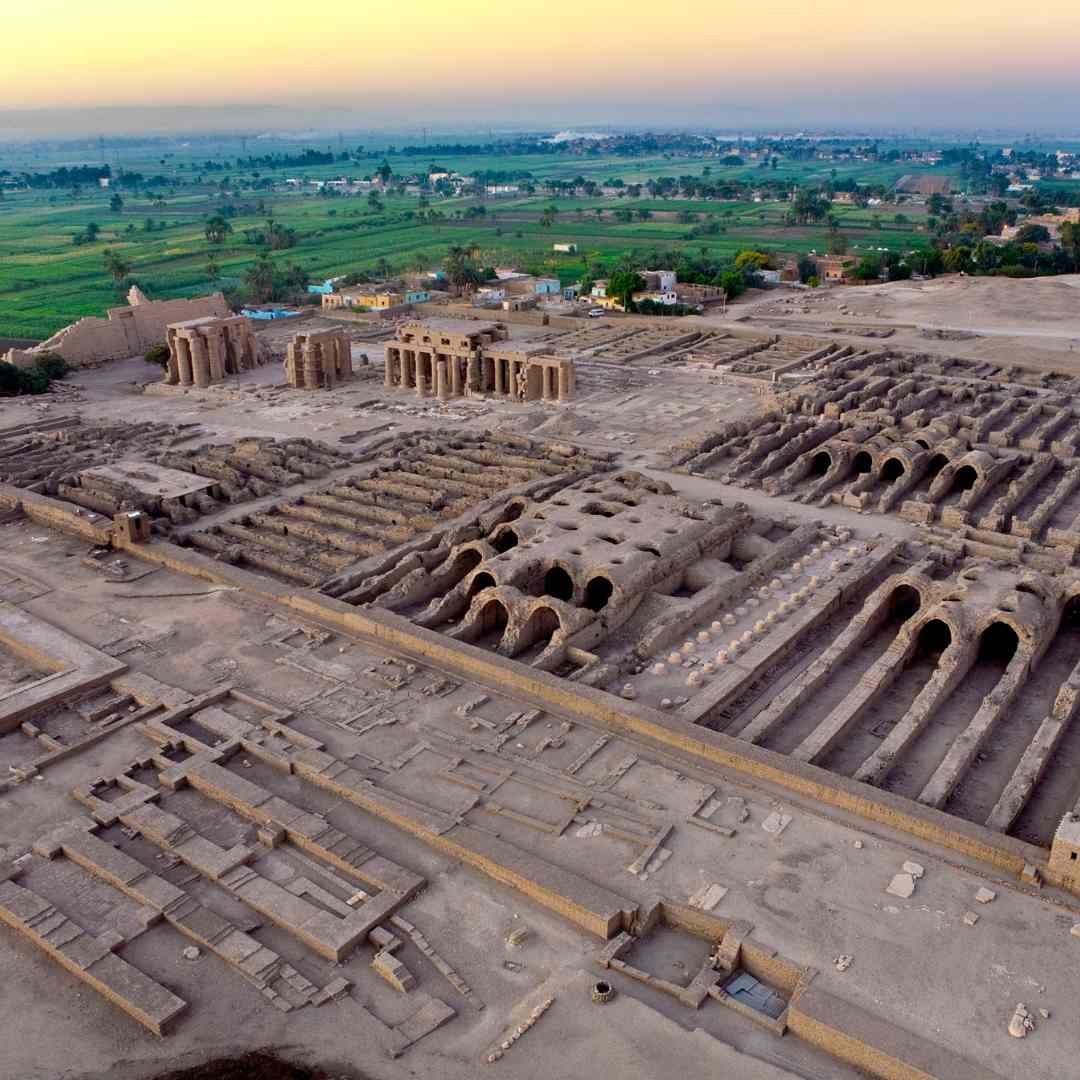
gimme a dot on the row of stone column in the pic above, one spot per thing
(318, 360)
(428, 372)
(205, 356)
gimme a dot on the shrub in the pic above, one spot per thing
(10, 380)
(15, 380)
(158, 354)
(52, 365)
(33, 380)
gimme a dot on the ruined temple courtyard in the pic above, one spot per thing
(465, 698)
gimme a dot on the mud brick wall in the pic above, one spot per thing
(879, 1048)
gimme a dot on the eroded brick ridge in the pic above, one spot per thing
(163, 470)
(964, 446)
(332, 535)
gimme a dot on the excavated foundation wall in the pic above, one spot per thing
(808, 781)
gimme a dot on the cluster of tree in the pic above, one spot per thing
(463, 270)
(231, 210)
(624, 280)
(1015, 259)
(275, 236)
(264, 282)
(625, 216)
(47, 368)
(506, 148)
(217, 228)
(304, 160)
(87, 236)
(1049, 195)
(809, 207)
(67, 176)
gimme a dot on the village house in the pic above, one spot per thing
(698, 295)
(835, 269)
(373, 297)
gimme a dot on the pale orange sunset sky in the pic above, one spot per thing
(923, 61)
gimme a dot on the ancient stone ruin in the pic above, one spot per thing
(374, 710)
(318, 359)
(125, 331)
(456, 358)
(206, 351)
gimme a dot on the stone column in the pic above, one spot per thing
(455, 374)
(246, 351)
(472, 374)
(216, 345)
(200, 360)
(564, 383)
(388, 369)
(345, 353)
(500, 386)
(184, 359)
(172, 374)
(442, 381)
(421, 375)
(314, 365)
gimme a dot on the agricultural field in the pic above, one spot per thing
(47, 280)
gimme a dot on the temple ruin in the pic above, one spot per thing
(455, 358)
(318, 360)
(401, 721)
(206, 351)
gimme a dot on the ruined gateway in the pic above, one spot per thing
(454, 739)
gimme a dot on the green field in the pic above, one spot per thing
(46, 281)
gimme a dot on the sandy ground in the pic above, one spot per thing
(1033, 322)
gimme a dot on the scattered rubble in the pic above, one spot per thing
(1022, 1022)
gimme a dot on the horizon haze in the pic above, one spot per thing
(257, 66)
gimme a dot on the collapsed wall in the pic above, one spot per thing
(125, 331)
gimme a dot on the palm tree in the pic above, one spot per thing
(213, 271)
(460, 268)
(217, 228)
(116, 266)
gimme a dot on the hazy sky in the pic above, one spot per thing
(930, 63)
